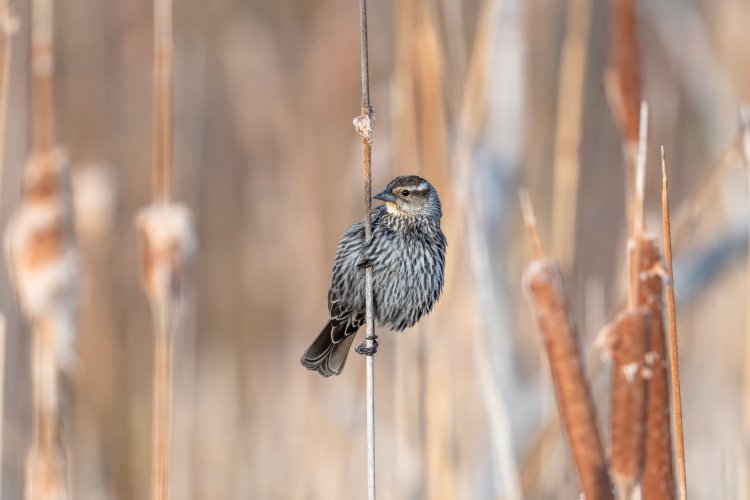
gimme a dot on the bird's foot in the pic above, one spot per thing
(366, 350)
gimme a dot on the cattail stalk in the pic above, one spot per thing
(674, 363)
(167, 242)
(8, 27)
(163, 47)
(44, 266)
(638, 216)
(568, 130)
(626, 339)
(363, 126)
(745, 135)
(623, 83)
(543, 284)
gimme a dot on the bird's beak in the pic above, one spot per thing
(385, 196)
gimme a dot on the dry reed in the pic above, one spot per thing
(568, 131)
(674, 363)
(745, 137)
(8, 27)
(471, 115)
(626, 340)
(44, 264)
(543, 284)
(623, 84)
(363, 126)
(167, 243)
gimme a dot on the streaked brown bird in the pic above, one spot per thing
(407, 256)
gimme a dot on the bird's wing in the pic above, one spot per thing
(344, 322)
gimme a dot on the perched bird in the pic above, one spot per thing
(407, 256)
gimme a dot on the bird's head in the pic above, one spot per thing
(410, 195)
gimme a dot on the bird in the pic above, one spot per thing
(406, 252)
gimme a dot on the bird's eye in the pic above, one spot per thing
(405, 192)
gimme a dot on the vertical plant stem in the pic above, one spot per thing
(568, 130)
(745, 148)
(2, 391)
(162, 180)
(6, 29)
(162, 403)
(162, 309)
(638, 202)
(45, 379)
(363, 124)
(673, 352)
(42, 70)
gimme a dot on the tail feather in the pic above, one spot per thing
(326, 356)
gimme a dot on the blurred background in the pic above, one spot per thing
(468, 94)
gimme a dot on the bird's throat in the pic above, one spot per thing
(393, 209)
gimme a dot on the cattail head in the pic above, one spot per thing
(167, 244)
(41, 251)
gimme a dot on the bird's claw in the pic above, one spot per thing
(366, 350)
(364, 263)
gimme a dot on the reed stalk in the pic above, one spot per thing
(44, 265)
(568, 130)
(8, 27)
(674, 363)
(623, 83)
(745, 136)
(627, 340)
(167, 242)
(363, 126)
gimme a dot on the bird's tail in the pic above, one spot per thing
(326, 356)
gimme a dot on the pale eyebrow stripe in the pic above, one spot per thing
(419, 187)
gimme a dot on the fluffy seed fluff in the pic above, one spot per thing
(168, 243)
(41, 252)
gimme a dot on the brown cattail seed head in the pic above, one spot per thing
(167, 244)
(544, 286)
(658, 475)
(628, 344)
